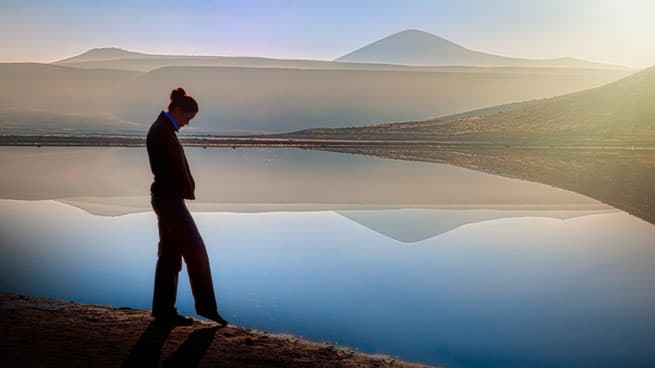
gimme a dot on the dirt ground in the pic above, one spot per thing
(42, 332)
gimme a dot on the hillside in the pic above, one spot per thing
(115, 58)
(237, 101)
(108, 53)
(409, 50)
(414, 47)
(621, 112)
(120, 59)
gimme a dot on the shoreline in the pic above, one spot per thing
(100, 140)
(39, 331)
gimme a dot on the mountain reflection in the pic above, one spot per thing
(414, 225)
(319, 275)
(315, 243)
(118, 179)
(621, 177)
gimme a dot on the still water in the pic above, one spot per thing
(426, 262)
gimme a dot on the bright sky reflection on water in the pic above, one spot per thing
(516, 274)
(509, 291)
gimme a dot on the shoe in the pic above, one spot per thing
(173, 320)
(214, 316)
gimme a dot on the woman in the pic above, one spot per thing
(178, 235)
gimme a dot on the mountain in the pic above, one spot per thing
(98, 54)
(414, 47)
(237, 101)
(404, 51)
(415, 225)
(54, 98)
(120, 59)
(114, 58)
(619, 113)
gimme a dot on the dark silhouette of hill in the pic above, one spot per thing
(414, 47)
(237, 100)
(619, 113)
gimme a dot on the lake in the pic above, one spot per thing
(424, 261)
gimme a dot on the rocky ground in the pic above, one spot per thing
(42, 332)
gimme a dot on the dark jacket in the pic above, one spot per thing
(167, 161)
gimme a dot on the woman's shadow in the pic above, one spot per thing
(147, 351)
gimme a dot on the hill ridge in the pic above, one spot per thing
(416, 47)
(618, 113)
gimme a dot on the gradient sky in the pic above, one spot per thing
(619, 32)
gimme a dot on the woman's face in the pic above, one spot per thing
(185, 118)
(182, 118)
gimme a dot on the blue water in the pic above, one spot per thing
(508, 292)
(473, 287)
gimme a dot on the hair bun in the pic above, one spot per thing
(180, 99)
(178, 93)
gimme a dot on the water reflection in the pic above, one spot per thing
(518, 291)
(429, 262)
(113, 181)
(412, 225)
(621, 177)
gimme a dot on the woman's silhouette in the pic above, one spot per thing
(178, 235)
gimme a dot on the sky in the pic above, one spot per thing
(616, 32)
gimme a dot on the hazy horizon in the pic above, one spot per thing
(600, 31)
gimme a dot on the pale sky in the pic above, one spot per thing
(616, 32)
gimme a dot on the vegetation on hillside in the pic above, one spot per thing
(622, 112)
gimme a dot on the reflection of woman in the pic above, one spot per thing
(178, 235)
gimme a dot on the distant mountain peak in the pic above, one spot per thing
(103, 53)
(415, 35)
(415, 32)
(410, 47)
(107, 50)
(416, 47)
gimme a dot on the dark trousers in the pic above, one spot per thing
(179, 238)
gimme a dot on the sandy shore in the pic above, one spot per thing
(47, 332)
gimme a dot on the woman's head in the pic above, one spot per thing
(182, 106)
